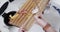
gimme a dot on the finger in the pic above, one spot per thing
(22, 30)
(40, 21)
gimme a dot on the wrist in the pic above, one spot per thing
(46, 27)
(50, 29)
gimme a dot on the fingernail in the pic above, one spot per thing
(39, 17)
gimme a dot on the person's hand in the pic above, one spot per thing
(45, 25)
(39, 20)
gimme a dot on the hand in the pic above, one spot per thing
(40, 20)
(45, 25)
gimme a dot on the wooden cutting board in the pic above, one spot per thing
(24, 17)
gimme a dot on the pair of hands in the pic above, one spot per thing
(42, 22)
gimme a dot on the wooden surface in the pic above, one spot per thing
(24, 16)
(42, 5)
